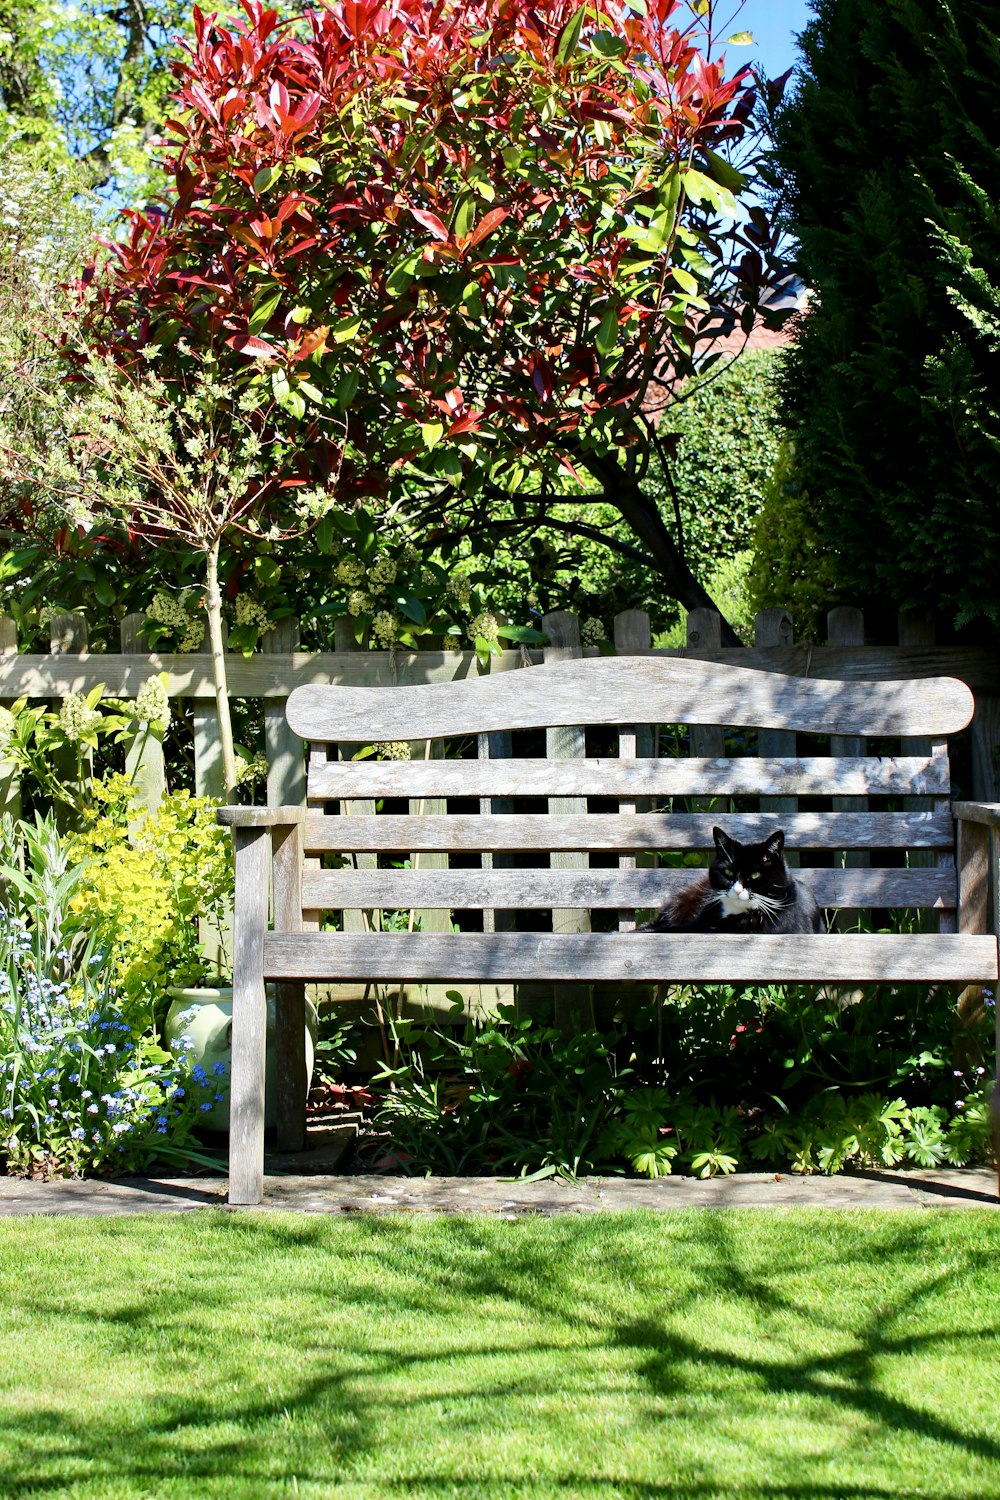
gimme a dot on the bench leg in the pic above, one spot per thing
(246, 1110)
(290, 1057)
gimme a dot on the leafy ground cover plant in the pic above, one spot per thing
(80, 1090)
(706, 1080)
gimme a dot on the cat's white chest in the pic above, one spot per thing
(736, 900)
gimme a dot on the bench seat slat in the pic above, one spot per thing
(812, 776)
(627, 690)
(678, 957)
(685, 831)
(512, 890)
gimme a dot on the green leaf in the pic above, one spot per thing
(740, 39)
(607, 334)
(308, 164)
(432, 433)
(524, 635)
(684, 280)
(725, 173)
(344, 331)
(410, 606)
(266, 178)
(569, 37)
(606, 44)
(265, 307)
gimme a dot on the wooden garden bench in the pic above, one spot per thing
(576, 849)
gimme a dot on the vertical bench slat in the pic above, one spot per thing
(431, 919)
(563, 631)
(496, 746)
(632, 638)
(354, 920)
(774, 627)
(846, 627)
(945, 858)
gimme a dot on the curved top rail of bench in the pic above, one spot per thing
(625, 690)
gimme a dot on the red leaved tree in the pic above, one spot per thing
(451, 244)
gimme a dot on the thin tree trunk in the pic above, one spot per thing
(644, 518)
(213, 608)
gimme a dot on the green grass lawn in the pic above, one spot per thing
(701, 1354)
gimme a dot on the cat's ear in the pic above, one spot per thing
(775, 844)
(723, 842)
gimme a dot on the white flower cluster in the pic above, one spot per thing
(76, 719)
(46, 615)
(410, 556)
(358, 602)
(350, 570)
(393, 750)
(460, 588)
(152, 706)
(250, 771)
(384, 628)
(485, 625)
(7, 726)
(592, 632)
(166, 610)
(381, 573)
(250, 611)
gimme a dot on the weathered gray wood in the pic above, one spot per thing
(973, 877)
(630, 690)
(632, 638)
(707, 735)
(916, 630)
(846, 627)
(356, 919)
(209, 777)
(144, 751)
(490, 748)
(469, 890)
(286, 770)
(67, 635)
(246, 1109)
(290, 998)
(259, 817)
(608, 831)
(977, 812)
(945, 858)
(261, 676)
(632, 780)
(10, 784)
(429, 918)
(774, 627)
(566, 742)
(673, 958)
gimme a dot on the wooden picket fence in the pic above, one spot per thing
(279, 667)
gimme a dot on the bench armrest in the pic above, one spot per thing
(260, 817)
(977, 812)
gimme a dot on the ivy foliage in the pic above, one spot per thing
(889, 153)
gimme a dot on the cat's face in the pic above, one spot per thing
(748, 877)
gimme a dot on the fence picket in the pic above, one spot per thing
(68, 637)
(774, 627)
(144, 761)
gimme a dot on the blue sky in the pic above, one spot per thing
(773, 23)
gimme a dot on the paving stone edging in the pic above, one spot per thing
(319, 1194)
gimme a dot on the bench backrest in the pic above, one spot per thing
(538, 788)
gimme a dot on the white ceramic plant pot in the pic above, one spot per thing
(204, 1017)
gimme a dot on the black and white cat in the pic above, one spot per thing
(746, 888)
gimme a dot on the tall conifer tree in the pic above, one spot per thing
(890, 150)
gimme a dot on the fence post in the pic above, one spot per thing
(68, 637)
(10, 783)
(774, 627)
(632, 638)
(286, 772)
(144, 753)
(846, 627)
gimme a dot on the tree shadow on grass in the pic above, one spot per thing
(363, 1322)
